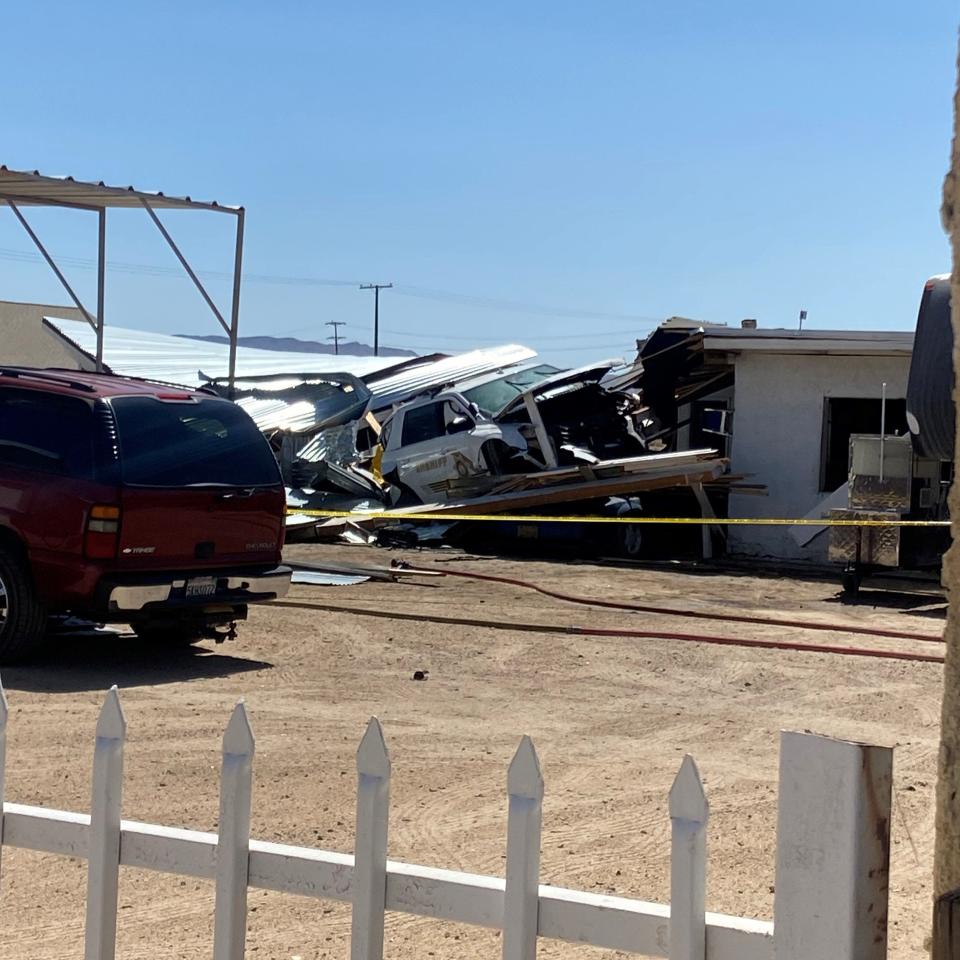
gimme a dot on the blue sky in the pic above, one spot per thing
(559, 174)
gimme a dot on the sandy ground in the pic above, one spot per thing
(611, 719)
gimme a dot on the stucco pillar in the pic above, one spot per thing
(947, 855)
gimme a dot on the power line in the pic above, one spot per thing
(119, 266)
(517, 306)
(591, 349)
(406, 290)
(631, 332)
(620, 348)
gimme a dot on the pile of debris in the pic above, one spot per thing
(485, 432)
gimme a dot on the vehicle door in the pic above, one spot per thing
(434, 447)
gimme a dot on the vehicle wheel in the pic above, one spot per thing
(496, 455)
(23, 620)
(850, 578)
(631, 540)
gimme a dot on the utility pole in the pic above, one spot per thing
(376, 288)
(336, 334)
(803, 316)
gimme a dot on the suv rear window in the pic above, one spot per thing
(46, 432)
(191, 443)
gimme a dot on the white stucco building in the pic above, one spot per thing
(795, 399)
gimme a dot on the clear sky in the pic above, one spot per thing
(560, 174)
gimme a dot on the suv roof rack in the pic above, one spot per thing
(31, 374)
(64, 375)
(153, 381)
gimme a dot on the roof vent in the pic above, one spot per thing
(748, 324)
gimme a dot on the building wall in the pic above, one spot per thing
(26, 342)
(777, 428)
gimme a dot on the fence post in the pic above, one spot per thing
(4, 713)
(370, 853)
(103, 863)
(233, 841)
(521, 903)
(688, 864)
(833, 849)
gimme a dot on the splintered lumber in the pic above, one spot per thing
(625, 483)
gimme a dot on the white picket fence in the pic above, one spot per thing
(833, 848)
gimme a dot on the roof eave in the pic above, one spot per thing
(32, 188)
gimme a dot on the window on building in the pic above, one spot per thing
(843, 416)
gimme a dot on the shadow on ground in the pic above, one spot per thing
(915, 604)
(85, 660)
(721, 567)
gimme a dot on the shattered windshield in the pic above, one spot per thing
(492, 397)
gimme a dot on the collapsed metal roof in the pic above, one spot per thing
(159, 356)
(416, 379)
(312, 403)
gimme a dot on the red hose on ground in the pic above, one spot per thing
(772, 644)
(695, 614)
(630, 634)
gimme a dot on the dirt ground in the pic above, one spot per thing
(611, 719)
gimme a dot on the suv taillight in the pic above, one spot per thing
(103, 532)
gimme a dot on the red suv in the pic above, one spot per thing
(125, 501)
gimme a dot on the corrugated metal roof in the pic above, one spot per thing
(415, 380)
(307, 407)
(299, 416)
(336, 444)
(35, 188)
(158, 356)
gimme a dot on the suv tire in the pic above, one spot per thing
(23, 620)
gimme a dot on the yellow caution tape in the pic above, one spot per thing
(695, 521)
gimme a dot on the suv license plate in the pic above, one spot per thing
(201, 587)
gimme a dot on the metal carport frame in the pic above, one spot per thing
(22, 189)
